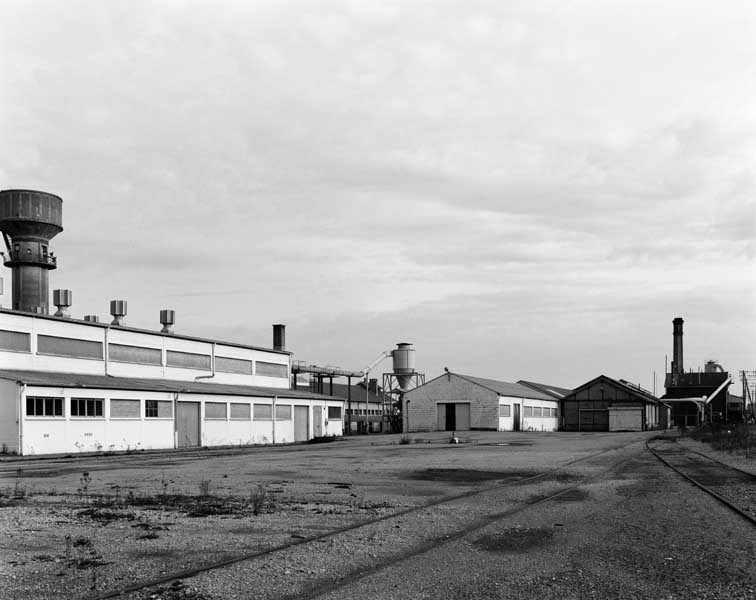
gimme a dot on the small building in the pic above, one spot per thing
(606, 404)
(363, 408)
(455, 402)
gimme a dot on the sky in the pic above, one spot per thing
(523, 189)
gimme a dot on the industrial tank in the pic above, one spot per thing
(404, 364)
(29, 220)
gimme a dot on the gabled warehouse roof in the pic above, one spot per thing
(76, 380)
(634, 390)
(551, 390)
(503, 388)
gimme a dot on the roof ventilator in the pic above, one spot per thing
(118, 311)
(62, 299)
(167, 319)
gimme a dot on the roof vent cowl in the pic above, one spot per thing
(62, 299)
(118, 311)
(167, 319)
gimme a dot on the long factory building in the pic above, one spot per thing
(69, 385)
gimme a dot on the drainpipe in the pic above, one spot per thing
(273, 419)
(107, 329)
(212, 366)
(21, 394)
(175, 419)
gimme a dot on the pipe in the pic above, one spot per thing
(725, 383)
(212, 366)
(273, 419)
(21, 394)
(106, 354)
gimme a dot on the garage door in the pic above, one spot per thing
(625, 419)
(594, 420)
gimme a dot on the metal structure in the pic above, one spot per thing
(29, 220)
(167, 320)
(399, 382)
(62, 299)
(118, 310)
(748, 379)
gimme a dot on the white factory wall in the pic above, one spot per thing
(528, 423)
(71, 434)
(33, 361)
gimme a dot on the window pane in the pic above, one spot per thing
(39, 407)
(240, 411)
(283, 412)
(124, 409)
(263, 411)
(165, 409)
(215, 410)
(334, 412)
(58, 407)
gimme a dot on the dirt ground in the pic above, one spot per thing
(440, 521)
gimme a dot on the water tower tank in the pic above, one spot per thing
(28, 221)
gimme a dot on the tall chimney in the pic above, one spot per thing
(677, 346)
(28, 221)
(279, 337)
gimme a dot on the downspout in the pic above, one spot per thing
(212, 366)
(21, 394)
(273, 419)
(107, 353)
(175, 419)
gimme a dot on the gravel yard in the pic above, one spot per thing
(624, 526)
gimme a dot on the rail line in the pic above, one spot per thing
(705, 473)
(417, 550)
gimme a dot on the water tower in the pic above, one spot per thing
(28, 221)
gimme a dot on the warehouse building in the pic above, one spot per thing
(70, 385)
(606, 404)
(454, 402)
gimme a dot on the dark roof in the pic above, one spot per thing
(633, 389)
(550, 390)
(76, 380)
(503, 388)
(358, 392)
(137, 330)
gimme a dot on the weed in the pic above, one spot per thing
(204, 488)
(260, 500)
(84, 481)
(19, 492)
(405, 440)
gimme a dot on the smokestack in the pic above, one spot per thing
(279, 337)
(677, 346)
(167, 319)
(28, 221)
(62, 299)
(118, 310)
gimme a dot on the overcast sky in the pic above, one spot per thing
(524, 190)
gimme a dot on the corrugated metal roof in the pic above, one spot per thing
(551, 390)
(77, 380)
(505, 388)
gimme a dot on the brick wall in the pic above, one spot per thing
(421, 412)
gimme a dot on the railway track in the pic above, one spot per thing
(734, 488)
(418, 543)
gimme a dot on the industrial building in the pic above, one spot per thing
(606, 404)
(78, 385)
(696, 397)
(364, 407)
(455, 402)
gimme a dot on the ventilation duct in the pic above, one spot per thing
(167, 320)
(62, 299)
(118, 311)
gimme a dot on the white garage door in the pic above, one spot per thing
(625, 419)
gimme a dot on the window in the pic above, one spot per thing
(554, 412)
(505, 410)
(61, 346)
(527, 411)
(44, 406)
(334, 412)
(240, 411)
(283, 412)
(233, 365)
(124, 409)
(158, 409)
(537, 411)
(16, 341)
(187, 360)
(86, 407)
(135, 354)
(215, 410)
(267, 369)
(262, 411)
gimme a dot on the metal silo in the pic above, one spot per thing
(404, 364)
(28, 221)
